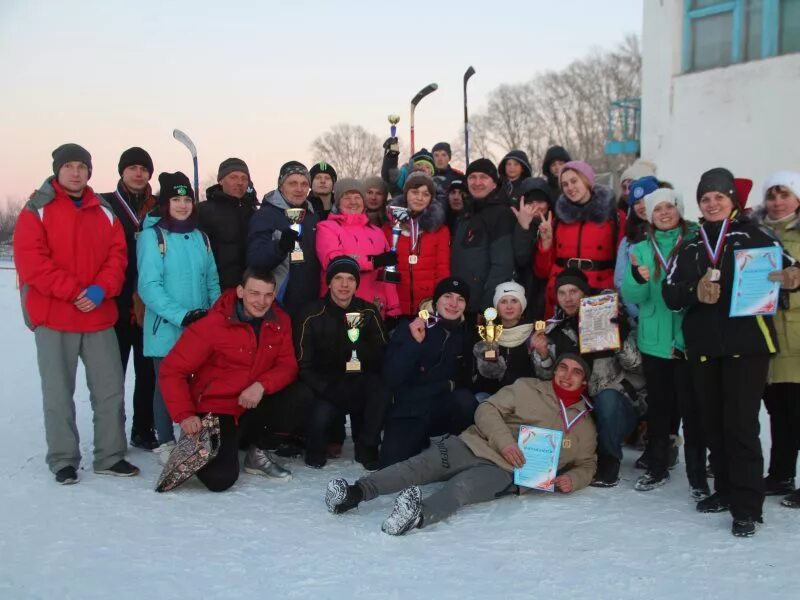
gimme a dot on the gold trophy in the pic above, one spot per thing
(296, 216)
(490, 333)
(393, 121)
(354, 321)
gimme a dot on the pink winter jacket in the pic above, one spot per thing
(353, 235)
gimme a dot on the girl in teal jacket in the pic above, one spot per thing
(178, 281)
(660, 339)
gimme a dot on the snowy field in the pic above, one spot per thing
(115, 538)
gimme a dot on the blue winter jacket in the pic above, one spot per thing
(183, 279)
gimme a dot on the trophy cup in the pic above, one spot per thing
(397, 215)
(296, 216)
(354, 321)
(490, 333)
(393, 121)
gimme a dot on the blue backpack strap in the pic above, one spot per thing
(206, 240)
(162, 241)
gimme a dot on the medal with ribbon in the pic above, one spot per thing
(664, 263)
(413, 230)
(715, 255)
(569, 424)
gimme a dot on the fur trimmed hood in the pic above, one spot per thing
(601, 207)
(432, 218)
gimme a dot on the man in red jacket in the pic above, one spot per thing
(70, 254)
(232, 363)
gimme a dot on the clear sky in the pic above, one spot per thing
(260, 80)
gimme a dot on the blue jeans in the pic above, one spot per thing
(162, 420)
(616, 419)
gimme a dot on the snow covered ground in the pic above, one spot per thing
(115, 538)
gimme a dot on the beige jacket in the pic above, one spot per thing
(530, 401)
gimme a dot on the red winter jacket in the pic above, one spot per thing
(217, 358)
(591, 232)
(60, 250)
(433, 263)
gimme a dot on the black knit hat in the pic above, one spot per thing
(536, 188)
(581, 360)
(135, 156)
(718, 180)
(521, 158)
(293, 167)
(322, 167)
(485, 166)
(443, 146)
(451, 284)
(71, 153)
(173, 184)
(232, 165)
(573, 276)
(343, 264)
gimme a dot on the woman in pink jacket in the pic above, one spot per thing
(349, 231)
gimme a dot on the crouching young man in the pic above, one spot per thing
(478, 465)
(232, 363)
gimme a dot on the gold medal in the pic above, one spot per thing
(412, 259)
(715, 274)
(424, 315)
(539, 325)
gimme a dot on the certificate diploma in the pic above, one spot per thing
(541, 448)
(753, 293)
(597, 330)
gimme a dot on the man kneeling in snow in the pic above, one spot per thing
(478, 465)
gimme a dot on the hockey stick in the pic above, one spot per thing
(187, 141)
(467, 74)
(428, 89)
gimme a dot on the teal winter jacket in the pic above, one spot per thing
(171, 284)
(660, 329)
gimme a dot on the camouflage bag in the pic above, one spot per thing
(191, 453)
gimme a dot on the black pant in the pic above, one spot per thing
(783, 404)
(273, 413)
(364, 397)
(404, 437)
(670, 393)
(130, 336)
(729, 392)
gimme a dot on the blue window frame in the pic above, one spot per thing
(720, 33)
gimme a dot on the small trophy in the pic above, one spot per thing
(397, 215)
(296, 216)
(354, 321)
(393, 121)
(490, 333)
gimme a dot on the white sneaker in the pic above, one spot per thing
(163, 452)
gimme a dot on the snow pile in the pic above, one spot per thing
(115, 538)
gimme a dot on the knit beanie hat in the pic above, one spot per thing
(521, 158)
(423, 157)
(376, 182)
(322, 167)
(485, 166)
(660, 195)
(173, 184)
(290, 168)
(640, 168)
(536, 188)
(719, 180)
(450, 285)
(71, 153)
(573, 276)
(510, 288)
(417, 179)
(232, 165)
(640, 188)
(457, 184)
(348, 184)
(581, 360)
(788, 179)
(443, 146)
(343, 264)
(581, 167)
(135, 156)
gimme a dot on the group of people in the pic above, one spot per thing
(336, 297)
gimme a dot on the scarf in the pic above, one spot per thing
(568, 398)
(515, 336)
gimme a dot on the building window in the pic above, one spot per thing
(718, 34)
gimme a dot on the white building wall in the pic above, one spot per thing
(745, 117)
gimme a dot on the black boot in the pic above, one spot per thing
(607, 474)
(341, 497)
(774, 486)
(745, 527)
(367, 456)
(792, 500)
(715, 503)
(146, 440)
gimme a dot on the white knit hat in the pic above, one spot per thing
(655, 198)
(510, 288)
(640, 168)
(788, 179)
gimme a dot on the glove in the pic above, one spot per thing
(489, 369)
(193, 315)
(707, 290)
(391, 146)
(387, 259)
(288, 238)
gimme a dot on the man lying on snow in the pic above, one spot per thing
(478, 465)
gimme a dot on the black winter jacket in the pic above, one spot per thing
(225, 220)
(322, 345)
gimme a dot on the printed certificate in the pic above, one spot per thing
(541, 448)
(753, 293)
(596, 329)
